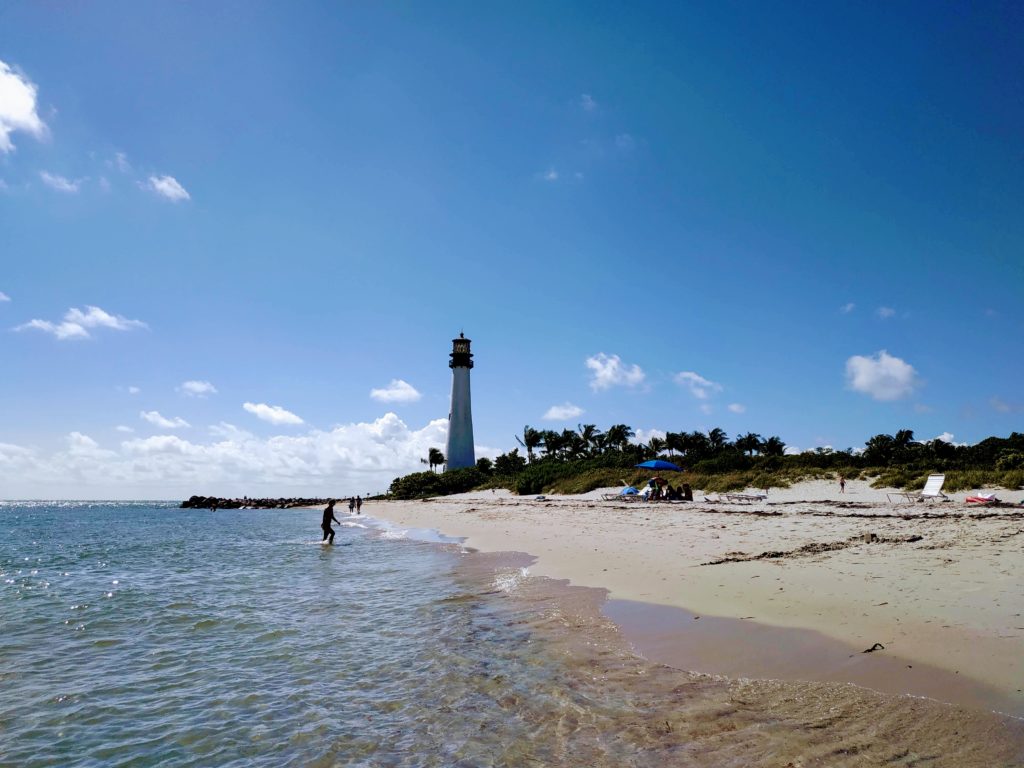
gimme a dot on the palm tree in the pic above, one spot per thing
(531, 439)
(903, 438)
(590, 434)
(905, 445)
(718, 439)
(674, 442)
(878, 450)
(575, 444)
(435, 458)
(618, 435)
(694, 445)
(655, 446)
(773, 446)
(749, 443)
(552, 442)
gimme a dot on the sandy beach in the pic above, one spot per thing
(795, 587)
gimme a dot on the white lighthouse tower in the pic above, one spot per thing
(460, 451)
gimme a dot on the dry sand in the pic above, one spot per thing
(792, 588)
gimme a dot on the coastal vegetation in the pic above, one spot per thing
(577, 461)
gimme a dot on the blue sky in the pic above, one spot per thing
(792, 220)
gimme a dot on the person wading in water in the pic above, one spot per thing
(326, 524)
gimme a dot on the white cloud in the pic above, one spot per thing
(737, 407)
(227, 431)
(154, 418)
(133, 390)
(121, 162)
(349, 459)
(698, 386)
(275, 414)
(881, 376)
(80, 445)
(707, 408)
(62, 331)
(885, 312)
(4, 297)
(947, 437)
(562, 412)
(398, 391)
(643, 436)
(587, 103)
(59, 183)
(166, 186)
(17, 108)
(847, 308)
(195, 388)
(550, 175)
(94, 317)
(609, 371)
(122, 428)
(76, 323)
(791, 450)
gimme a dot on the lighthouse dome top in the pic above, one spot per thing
(461, 357)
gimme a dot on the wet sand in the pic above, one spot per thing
(794, 588)
(604, 705)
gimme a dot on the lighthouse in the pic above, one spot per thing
(460, 451)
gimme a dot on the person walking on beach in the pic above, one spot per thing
(351, 504)
(326, 524)
(359, 505)
(842, 484)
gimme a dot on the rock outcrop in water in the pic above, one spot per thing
(209, 502)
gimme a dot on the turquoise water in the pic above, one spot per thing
(138, 634)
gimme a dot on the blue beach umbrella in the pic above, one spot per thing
(629, 490)
(659, 464)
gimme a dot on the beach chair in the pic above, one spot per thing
(746, 498)
(932, 490)
(629, 493)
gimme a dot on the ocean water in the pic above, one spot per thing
(138, 634)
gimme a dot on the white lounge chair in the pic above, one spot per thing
(932, 490)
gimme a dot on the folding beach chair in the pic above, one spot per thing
(932, 490)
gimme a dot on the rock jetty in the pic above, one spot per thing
(209, 502)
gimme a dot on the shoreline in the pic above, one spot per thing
(808, 584)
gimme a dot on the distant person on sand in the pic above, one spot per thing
(842, 484)
(326, 524)
(359, 505)
(351, 504)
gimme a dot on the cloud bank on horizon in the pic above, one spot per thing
(349, 458)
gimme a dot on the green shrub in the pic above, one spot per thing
(1013, 479)
(1010, 460)
(421, 485)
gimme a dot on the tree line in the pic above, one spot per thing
(587, 441)
(549, 457)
